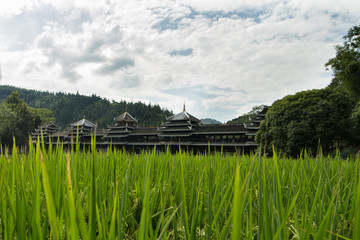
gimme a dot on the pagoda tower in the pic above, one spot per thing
(47, 130)
(86, 130)
(179, 127)
(124, 125)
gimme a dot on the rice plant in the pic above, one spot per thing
(114, 194)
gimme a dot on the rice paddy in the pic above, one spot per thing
(79, 194)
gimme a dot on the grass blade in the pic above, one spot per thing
(54, 223)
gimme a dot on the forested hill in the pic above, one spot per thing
(68, 108)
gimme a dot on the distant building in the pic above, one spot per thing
(181, 130)
(46, 130)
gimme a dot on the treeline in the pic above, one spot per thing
(68, 108)
(328, 117)
(17, 120)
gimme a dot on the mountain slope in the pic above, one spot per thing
(68, 108)
(209, 121)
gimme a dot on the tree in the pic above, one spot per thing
(7, 124)
(355, 122)
(24, 121)
(68, 108)
(346, 64)
(301, 121)
(18, 120)
(43, 116)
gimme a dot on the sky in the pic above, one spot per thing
(220, 58)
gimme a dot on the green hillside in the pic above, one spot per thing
(209, 121)
(68, 108)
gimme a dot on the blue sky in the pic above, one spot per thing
(219, 57)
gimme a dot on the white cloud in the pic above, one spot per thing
(9, 8)
(219, 58)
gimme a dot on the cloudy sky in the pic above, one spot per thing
(220, 57)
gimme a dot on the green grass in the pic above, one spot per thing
(53, 194)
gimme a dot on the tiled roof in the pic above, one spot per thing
(125, 117)
(183, 116)
(83, 122)
(49, 125)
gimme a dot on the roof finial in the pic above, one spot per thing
(84, 116)
(184, 107)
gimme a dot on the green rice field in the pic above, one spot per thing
(113, 194)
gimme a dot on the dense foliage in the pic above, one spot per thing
(355, 121)
(116, 195)
(306, 119)
(346, 64)
(346, 71)
(68, 108)
(18, 120)
(328, 117)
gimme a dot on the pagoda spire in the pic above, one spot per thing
(184, 108)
